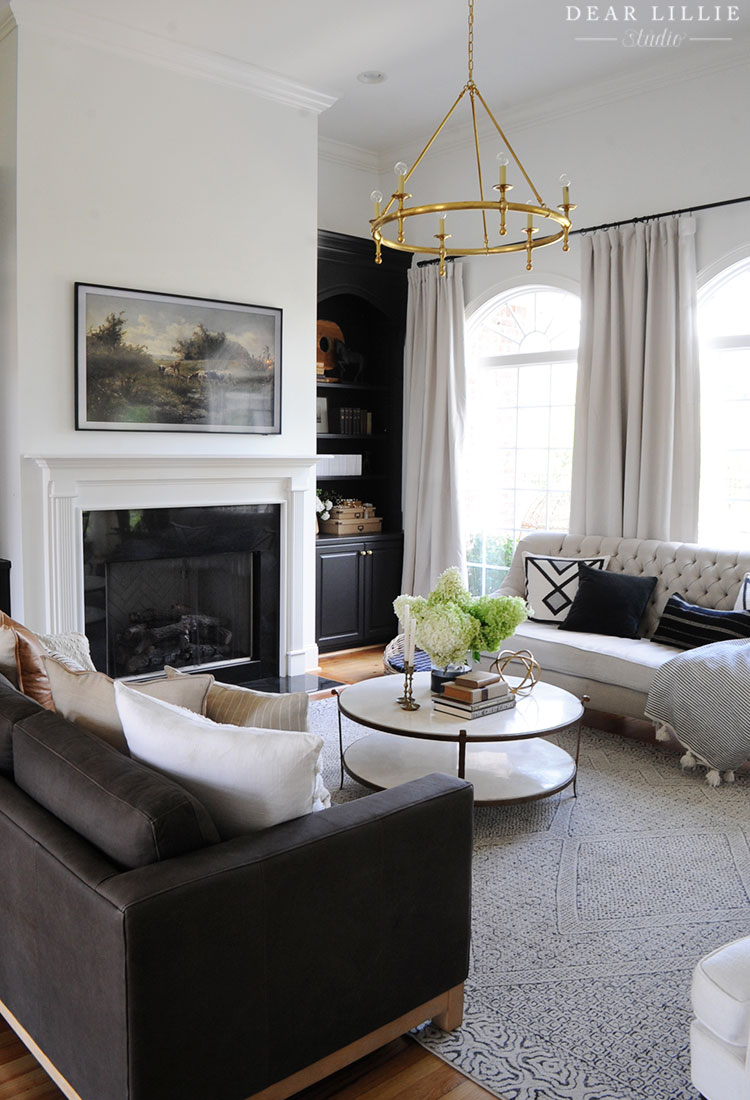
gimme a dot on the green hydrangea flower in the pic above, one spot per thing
(451, 622)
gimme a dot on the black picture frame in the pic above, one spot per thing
(152, 362)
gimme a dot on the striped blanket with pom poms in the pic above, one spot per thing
(702, 697)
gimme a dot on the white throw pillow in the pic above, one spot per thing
(742, 603)
(71, 646)
(248, 779)
(552, 583)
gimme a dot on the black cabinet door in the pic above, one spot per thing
(382, 585)
(357, 582)
(339, 596)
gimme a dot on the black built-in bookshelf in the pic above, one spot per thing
(365, 418)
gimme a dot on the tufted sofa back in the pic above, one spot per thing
(710, 578)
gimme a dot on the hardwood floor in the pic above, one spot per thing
(351, 665)
(401, 1070)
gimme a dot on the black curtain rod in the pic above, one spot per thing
(655, 217)
(427, 263)
(631, 221)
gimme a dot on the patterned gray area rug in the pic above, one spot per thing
(589, 916)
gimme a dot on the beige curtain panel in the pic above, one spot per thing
(636, 459)
(434, 417)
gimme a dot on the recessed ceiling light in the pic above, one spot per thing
(371, 76)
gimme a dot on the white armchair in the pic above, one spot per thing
(720, 1032)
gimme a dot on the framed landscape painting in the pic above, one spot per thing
(168, 363)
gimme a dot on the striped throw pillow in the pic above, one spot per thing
(686, 625)
(232, 705)
(241, 706)
(742, 603)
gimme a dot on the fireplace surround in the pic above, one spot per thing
(59, 490)
(187, 587)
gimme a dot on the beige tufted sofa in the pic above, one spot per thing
(616, 673)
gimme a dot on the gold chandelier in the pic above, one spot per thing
(396, 213)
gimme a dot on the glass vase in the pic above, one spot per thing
(441, 676)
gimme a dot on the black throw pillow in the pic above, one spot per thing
(608, 603)
(687, 625)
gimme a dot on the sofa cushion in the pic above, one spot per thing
(231, 705)
(248, 778)
(88, 698)
(629, 662)
(686, 625)
(132, 814)
(32, 675)
(552, 583)
(608, 603)
(13, 706)
(721, 991)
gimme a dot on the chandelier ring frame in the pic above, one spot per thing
(447, 207)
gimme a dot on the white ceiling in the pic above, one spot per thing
(525, 50)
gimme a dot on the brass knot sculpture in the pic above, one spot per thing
(529, 664)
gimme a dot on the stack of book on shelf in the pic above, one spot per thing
(354, 421)
(475, 695)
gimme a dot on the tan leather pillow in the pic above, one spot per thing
(32, 675)
(88, 698)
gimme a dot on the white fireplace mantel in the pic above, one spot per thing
(58, 489)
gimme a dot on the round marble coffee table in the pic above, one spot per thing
(504, 755)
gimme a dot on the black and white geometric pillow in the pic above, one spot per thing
(742, 603)
(552, 583)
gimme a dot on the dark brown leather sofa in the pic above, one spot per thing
(143, 959)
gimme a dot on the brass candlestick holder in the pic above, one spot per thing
(407, 700)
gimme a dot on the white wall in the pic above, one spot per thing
(346, 178)
(136, 174)
(9, 472)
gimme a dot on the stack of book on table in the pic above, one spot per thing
(475, 695)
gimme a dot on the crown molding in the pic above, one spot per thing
(579, 100)
(348, 156)
(118, 38)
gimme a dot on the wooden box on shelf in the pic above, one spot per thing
(351, 526)
(352, 518)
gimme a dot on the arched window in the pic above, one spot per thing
(724, 331)
(522, 352)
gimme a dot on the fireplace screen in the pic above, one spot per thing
(183, 587)
(179, 611)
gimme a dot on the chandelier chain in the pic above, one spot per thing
(471, 41)
(543, 225)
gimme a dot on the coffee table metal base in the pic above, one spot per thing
(502, 772)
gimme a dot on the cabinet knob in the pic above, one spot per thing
(369, 553)
(362, 553)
